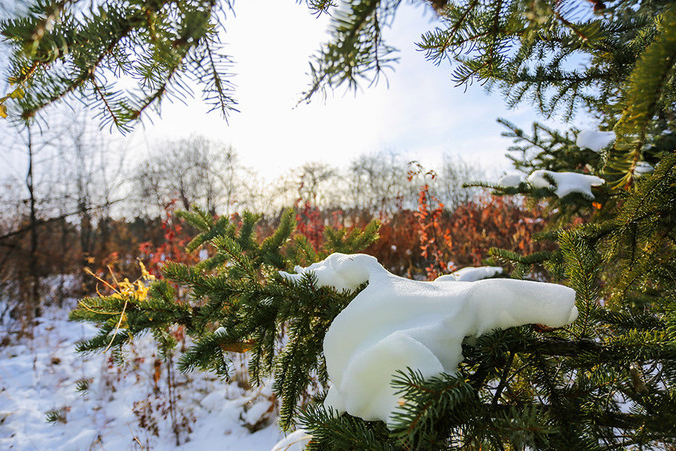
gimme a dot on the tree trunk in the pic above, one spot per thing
(34, 307)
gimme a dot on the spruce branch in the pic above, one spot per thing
(356, 49)
(643, 98)
(152, 42)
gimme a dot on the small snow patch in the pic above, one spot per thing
(594, 140)
(220, 331)
(470, 274)
(213, 400)
(107, 415)
(259, 413)
(511, 180)
(295, 441)
(83, 440)
(642, 168)
(336, 272)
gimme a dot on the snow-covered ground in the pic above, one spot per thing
(98, 405)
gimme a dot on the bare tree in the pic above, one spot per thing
(257, 194)
(313, 182)
(33, 223)
(90, 175)
(68, 184)
(378, 182)
(452, 175)
(21, 245)
(194, 170)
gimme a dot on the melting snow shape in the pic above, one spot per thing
(348, 277)
(397, 323)
(295, 441)
(566, 182)
(594, 140)
(470, 274)
(511, 180)
(642, 168)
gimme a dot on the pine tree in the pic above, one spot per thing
(608, 381)
(65, 49)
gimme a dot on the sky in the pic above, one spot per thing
(418, 112)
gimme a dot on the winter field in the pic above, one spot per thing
(94, 404)
(55, 398)
(51, 397)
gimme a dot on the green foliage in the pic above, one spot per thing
(64, 48)
(431, 408)
(621, 265)
(551, 150)
(648, 92)
(57, 415)
(616, 363)
(639, 241)
(581, 261)
(238, 302)
(357, 49)
(82, 386)
(616, 60)
(527, 49)
(331, 432)
(605, 382)
(525, 264)
(545, 148)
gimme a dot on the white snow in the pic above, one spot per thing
(333, 272)
(259, 412)
(566, 182)
(594, 140)
(511, 180)
(220, 331)
(203, 254)
(397, 323)
(642, 168)
(471, 274)
(40, 375)
(295, 441)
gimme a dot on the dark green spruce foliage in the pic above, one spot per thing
(617, 367)
(238, 301)
(71, 48)
(606, 382)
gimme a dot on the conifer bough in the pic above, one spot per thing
(529, 50)
(606, 382)
(396, 324)
(68, 48)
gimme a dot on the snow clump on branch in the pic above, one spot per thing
(471, 274)
(642, 168)
(594, 140)
(397, 323)
(511, 180)
(296, 441)
(565, 182)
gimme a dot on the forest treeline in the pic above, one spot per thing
(81, 209)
